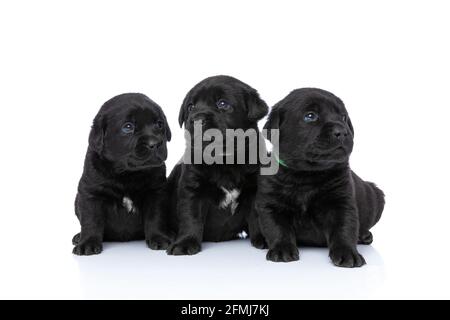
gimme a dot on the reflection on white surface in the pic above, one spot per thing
(227, 270)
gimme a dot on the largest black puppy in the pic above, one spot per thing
(212, 202)
(315, 199)
(122, 193)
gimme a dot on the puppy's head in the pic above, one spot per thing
(131, 131)
(222, 102)
(315, 131)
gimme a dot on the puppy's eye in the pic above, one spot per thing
(223, 105)
(310, 117)
(190, 107)
(159, 124)
(128, 127)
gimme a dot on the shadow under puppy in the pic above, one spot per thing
(212, 202)
(315, 199)
(122, 194)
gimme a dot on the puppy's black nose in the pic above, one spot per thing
(146, 145)
(200, 117)
(154, 143)
(339, 133)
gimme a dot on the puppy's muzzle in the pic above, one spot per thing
(335, 132)
(147, 146)
(198, 119)
(339, 132)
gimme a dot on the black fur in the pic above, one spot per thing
(196, 188)
(122, 164)
(315, 199)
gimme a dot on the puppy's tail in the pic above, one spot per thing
(379, 202)
(370, 201)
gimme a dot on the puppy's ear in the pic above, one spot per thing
(167, 128)
(350, 125)
(256, 107)
(273, 122)
(183, 111)
(97, 134)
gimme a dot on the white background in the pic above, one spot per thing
(60, 60)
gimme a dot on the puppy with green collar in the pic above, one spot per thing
(315, 198)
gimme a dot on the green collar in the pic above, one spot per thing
(280, 162)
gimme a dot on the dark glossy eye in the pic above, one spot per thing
(159, 124)
(223, 104)
(310, 117)
(128, 127)
(190, 107)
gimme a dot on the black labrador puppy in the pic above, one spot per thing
(315, 199)
(212, 202)
(122, 194)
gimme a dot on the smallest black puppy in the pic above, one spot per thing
(122, 193)
(315, 199)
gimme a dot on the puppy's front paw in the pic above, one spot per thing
(258, 241)
(283, 253)
(88, 248)
(366, 238)
(184, 247)
(76, 239)
(158, 242)
(346, 257)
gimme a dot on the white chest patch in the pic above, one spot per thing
(242, 235)
(128, 204)
(230, 199)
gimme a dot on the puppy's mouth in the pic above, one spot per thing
(317, 157)
(144, 165)
(201, 132)
(200, 140)
(138, 163)
(338, 154)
